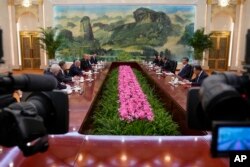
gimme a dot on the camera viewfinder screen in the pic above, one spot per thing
(233, 139)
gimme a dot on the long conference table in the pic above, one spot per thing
(77, 149)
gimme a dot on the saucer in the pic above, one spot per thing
(182, 83)
(169, 73)
(89, 80)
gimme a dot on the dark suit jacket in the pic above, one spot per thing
(73, 70)
(185, 73)
(62, 77)
(167, 66)
(66, 73)
(161, 63)
(85, 65)
(93, 60)
(197, 81)
(156, 62)
(59, 85)
(173, 65)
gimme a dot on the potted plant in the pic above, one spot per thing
(50, 42)
(200, 42)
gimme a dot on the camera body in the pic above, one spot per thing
(32, 119)
(42, 111)
(222, 97)
(53, 107)
(222, 105)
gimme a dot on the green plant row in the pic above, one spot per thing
(106, 120)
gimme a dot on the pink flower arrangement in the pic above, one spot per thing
(133, 102)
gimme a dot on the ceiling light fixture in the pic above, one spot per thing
(223, 3)
(26, 3)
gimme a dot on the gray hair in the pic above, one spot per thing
(77, 62)
(55, 68)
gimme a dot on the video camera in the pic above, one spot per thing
(222, 105)
(42, 111)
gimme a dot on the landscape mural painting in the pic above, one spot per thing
(124, 32)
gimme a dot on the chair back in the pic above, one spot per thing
(174, 66)
(191, 72)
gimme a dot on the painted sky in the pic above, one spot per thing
(101, 10)
(65, 14)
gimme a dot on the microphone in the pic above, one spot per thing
(29, 82)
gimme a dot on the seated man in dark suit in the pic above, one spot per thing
(54, 70)
(63, 75)
(186, 70)
(160, 61)
(156, 61)
(200, 75)
(166, 64)
(173, 65)
(93, 59)
(75, 69)
(85, 63)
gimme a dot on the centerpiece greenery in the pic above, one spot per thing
(51, 41)
(124, 56)
(106, 120)
(200, 42)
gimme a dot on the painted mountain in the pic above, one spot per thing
(130, 28)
